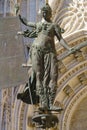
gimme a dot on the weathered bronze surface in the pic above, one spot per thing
(45, 120)
(43, 55)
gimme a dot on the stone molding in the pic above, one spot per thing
(70, 108)
(81, 67)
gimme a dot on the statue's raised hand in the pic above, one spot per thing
(20, 33)
(20, 17)
(23, 20)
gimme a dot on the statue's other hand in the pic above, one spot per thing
(20, 33)
(23, 20)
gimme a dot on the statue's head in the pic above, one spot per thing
(46, 11)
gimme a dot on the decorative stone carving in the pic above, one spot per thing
(68, 90)
(79, 56)
(73, 72)
(69, 17)
(83, 79)
(62, 67)
(70, 108)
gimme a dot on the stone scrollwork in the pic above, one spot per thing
(74, 17)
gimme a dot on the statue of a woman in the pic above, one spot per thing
(43, 56)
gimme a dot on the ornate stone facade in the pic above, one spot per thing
(72, 82)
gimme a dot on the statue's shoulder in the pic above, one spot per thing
(58, 28)
(56, 25)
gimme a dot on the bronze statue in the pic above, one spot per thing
(43, 55)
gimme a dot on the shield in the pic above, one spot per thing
(11, 53)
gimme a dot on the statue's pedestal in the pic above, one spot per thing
(45, 119)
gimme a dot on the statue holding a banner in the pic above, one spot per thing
(43, 56)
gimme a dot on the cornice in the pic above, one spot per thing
(71, 106)
(75, 71)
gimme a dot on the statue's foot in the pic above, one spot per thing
(52, 108)
(55, 108)
(43, 108)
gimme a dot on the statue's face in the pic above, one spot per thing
(46, 15)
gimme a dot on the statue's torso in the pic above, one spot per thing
(45, 36)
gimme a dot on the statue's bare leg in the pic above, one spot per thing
(38, 68)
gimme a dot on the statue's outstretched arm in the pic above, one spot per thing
(25, 22)
(64, 44)
(60, 38)
(29, 34)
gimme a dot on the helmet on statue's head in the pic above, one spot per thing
(47, 9)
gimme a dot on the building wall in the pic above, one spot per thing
(72, 81)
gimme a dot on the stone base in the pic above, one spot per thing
(45, 120)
